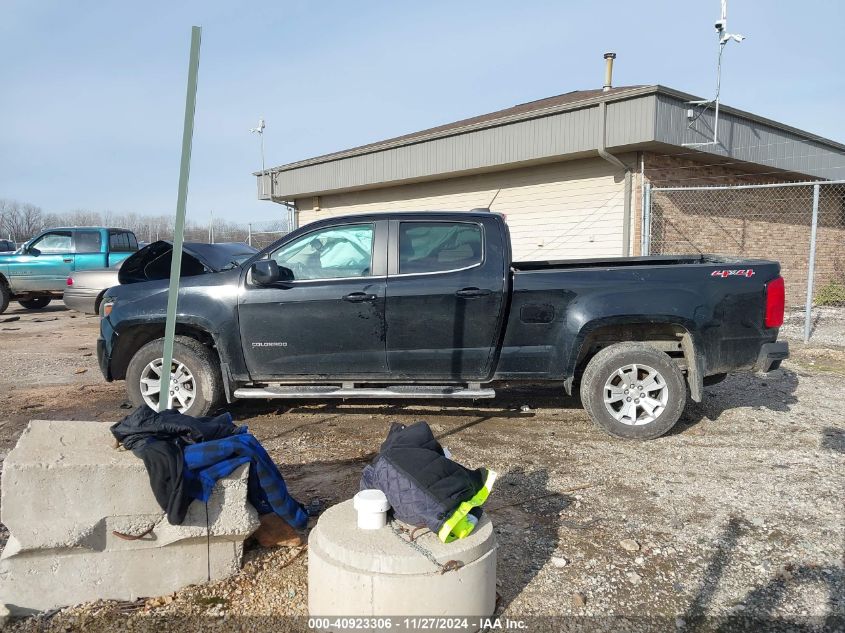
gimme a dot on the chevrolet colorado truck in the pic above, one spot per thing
(37, 273)
(430, 305)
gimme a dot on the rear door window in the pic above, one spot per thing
(89, 242)
(119, 242)
(426, 247)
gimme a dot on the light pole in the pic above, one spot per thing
(260, 131)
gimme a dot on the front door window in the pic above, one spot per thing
(331, 253)
(54, 242)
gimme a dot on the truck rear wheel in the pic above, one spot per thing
(195, 382)
(35, 303)
(633, 391)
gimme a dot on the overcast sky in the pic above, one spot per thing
(93, 92)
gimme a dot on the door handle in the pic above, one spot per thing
(67, 260)
(359, 297)
(471, 293)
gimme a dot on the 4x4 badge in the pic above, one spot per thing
(742, 272)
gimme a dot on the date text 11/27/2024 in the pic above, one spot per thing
(417, 623)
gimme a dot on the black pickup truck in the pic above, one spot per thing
(430, 305)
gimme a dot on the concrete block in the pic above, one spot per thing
(47, 579)
(66, 488)
(65, 485)
(354, 572)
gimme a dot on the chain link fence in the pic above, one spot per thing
(257, 234)
(801, 225)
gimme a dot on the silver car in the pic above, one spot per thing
(85, 288)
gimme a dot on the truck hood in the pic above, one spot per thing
(153, 261)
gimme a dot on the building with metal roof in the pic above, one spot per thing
(567, 171)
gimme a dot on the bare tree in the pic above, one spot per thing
(83, 217)
(20, 220)
(23, 221)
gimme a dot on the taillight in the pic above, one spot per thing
(107, 307)
(775, 302)
(69, 281)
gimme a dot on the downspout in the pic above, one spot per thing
(610, 158)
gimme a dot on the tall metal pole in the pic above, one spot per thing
(262, 162)
(808, 308)
(167, 385)
(259, 129)
(645, 238)
(249, 233)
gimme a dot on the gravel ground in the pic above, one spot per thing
(827, 325)
(737, 513)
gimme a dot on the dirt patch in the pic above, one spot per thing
(738, 512)
(47, 347)
(817, 359)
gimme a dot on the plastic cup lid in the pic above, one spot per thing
(371, 501)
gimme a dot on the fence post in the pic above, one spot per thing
(808, 310)
(645, 237)
(249, 233)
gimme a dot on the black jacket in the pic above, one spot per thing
(158, 439)
(422, 485)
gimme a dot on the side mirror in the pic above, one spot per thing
(31, 250)
(266, 272)
(285, 274)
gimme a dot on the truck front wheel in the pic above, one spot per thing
(5, 295)
(195, 383)
(633, 391)
(35, 303)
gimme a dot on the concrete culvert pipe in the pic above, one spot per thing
(354, 572)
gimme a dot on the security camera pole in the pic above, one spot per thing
(165, 397)
(260, 131)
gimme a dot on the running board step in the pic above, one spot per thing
(333, 391)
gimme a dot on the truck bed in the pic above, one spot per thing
(556, 305)
(617, 262)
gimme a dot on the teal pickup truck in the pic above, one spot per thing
(37, 272)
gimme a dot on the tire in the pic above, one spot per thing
(98, 301)
(35, 304)
(5, 295)
(191, 358)
(654, 368)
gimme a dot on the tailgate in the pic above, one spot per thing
(748, 303)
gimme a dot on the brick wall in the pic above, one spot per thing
(769, 223)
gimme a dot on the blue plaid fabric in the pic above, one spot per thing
(207, 462)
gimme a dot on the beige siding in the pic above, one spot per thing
(561, 210)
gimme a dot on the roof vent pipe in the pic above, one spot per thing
(608, 71)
